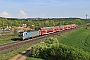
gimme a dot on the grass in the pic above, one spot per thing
(8, 55)
(5, 41)
(6, 38)
(79, 38)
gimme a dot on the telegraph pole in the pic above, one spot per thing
(86, 16)
(87, 22)
(3, 24)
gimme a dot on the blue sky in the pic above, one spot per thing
(44, 8)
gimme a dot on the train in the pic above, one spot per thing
(22, 35)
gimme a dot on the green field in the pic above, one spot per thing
(6, 39)
(79, 39)
(2, 41)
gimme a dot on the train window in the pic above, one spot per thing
(20, 33)
(26, 33)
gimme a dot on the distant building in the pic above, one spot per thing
(24, 25)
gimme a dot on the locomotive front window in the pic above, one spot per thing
(20, 33)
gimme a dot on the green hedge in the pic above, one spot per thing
(35, 51)
(52, 50)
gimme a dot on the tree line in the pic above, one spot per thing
(39, 22)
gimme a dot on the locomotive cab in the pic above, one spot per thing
(22, 35)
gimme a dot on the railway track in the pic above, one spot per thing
(11, 46)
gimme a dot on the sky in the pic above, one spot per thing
(44, 8)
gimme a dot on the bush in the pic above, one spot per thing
(51, 40)
(52, 50)
(35, 51)
(63, 52)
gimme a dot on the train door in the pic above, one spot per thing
(24, 35)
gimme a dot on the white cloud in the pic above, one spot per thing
(5, 14)
(22, 14)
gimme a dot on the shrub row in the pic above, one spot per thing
(52, 50)
(35, 51)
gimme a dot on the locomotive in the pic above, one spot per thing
(43, 31)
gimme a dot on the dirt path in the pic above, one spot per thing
(22, 56)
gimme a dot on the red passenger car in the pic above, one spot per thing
(61, 28)
(43, 31)
(56, 28)
(73, 26)
(46, 30)
(49, 29)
